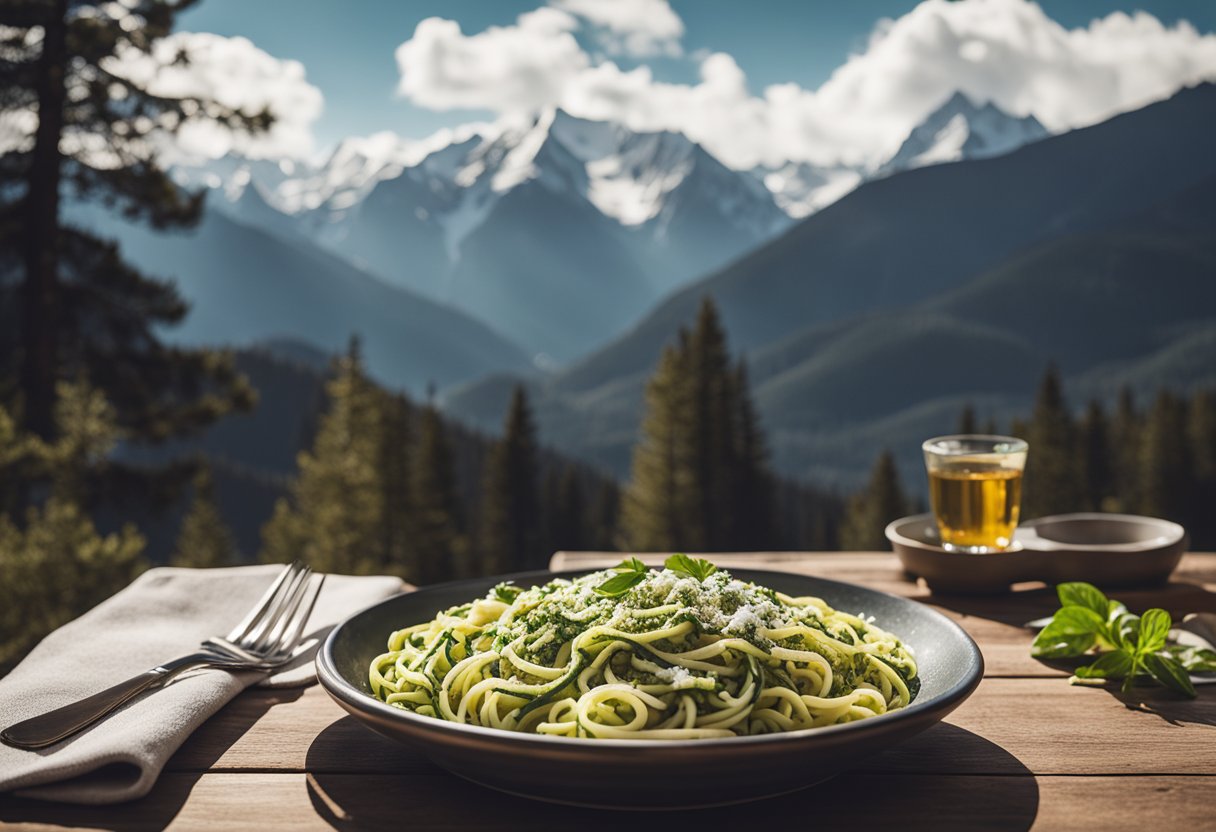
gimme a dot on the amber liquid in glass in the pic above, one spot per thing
(976, 504)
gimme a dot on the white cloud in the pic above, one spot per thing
(505, 68)
(635, 27)
(1006, 51)
(235, 73)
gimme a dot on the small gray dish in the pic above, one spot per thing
(651, 774)
(1112, 550)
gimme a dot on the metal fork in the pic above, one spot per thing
(263, 640)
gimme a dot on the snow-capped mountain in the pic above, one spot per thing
(962, 129)
(801, 188)
(601, 219)
(556, 230)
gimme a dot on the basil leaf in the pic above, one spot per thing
(506, 593)
(620, 583)
(1113, 665)
(630, 565)
(1154, 628)
(1074, 621)
(698, 568)
(1169, 672)
(1085, 595)
(1053, 644)
(1125, 631)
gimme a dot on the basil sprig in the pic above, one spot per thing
(698, 568)
(629, 573)
(1127, 646)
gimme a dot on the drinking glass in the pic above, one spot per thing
(975, 489)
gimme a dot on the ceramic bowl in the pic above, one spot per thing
(647, 774)
(1111, 550)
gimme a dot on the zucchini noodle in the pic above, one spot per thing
(672, 657)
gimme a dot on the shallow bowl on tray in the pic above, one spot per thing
(641, 774)
(1111, 550)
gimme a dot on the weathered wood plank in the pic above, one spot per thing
(298, 801)
(1008, 726)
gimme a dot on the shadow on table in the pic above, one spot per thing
(159, 807)
(1025, 604)
(985, 787)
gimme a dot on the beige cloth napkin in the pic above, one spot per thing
(163, 614)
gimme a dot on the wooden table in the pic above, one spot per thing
(1027, 750)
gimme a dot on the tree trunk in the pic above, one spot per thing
(40, 291)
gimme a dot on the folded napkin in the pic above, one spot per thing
(163, 614)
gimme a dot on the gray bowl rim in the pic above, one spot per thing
(1171, 535)
(357, 700)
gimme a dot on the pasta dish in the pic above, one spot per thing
(685, 652)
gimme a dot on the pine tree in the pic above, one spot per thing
(1094, 446)
(563, 509)
(967, 420)
(1125, 439)
(204, 540)
(714, 428)
(440, 550)
(1201, 434)
(754, 520)
(333, 518)
(700, 479)
(1052, 482)
(1165, 463)
(1201, 437)
(83, 311)
(660, 504)
(400, 557)
(54, 565)
(603, 517)
(869, 512)
(510, 515)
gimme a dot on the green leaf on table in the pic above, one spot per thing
(1080, 594)
(1054, 646)
(1154, 629)
(1125, 631)
(1170, 673)
(1113, 665)
(1068, 634)
(698, 568)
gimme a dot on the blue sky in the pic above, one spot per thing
(347, 48)
(836, 85)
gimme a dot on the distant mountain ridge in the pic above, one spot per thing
(941, 285)
(956, 131)
(245, 285)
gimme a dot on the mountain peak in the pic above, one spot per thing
(962, 129)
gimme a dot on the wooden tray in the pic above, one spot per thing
(1110, 550)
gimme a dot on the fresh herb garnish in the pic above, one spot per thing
(629, 573)
(1127, 646)
(506, 592)
(698, 568)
